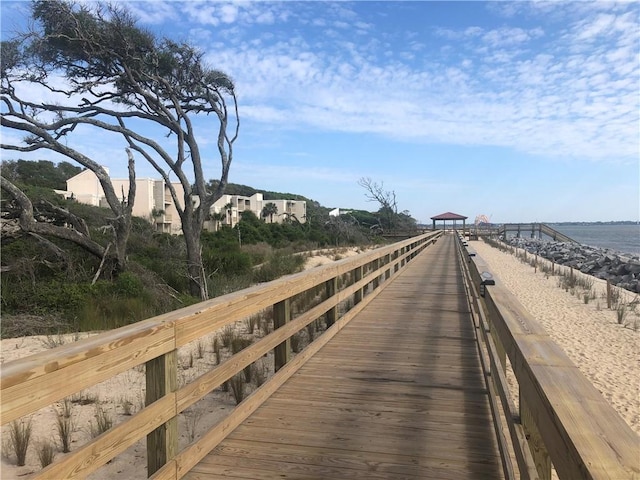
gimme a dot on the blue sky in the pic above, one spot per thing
(520, 111)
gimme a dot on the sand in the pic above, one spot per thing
(606, 352)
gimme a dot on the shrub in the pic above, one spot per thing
(621, 313)
(239, 343)
(295, 342)
(19, 436)
(279, 265)
(45, 453)
(236, 383)
(216, 349)
(65, 425)
(104, 421)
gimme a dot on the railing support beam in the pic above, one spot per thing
(282, 315)
(331, 287)
(161, 379)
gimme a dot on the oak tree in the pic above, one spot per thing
(105, 72)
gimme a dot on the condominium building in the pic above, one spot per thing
(153, 200)
(154, 203)
(229, 208)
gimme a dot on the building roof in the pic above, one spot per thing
(449, 216)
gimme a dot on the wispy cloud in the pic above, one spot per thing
(563, 102)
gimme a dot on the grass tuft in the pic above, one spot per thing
(103, 422)
(19, 437)
(237, 386)
(65, 425)
(46, 452)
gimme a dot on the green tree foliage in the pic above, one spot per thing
(41, 173)
(269, 210)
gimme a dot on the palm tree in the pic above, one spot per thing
(269, 210)
(217, 219)
(228, 208)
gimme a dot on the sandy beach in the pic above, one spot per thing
(607, 353)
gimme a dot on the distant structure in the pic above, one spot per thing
(154, 203)
(336, 212)
(153, 198)
(482, 219)
(443, 217)
(229, 208)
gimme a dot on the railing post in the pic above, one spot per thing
(376, 281)
(281, 315)
(387, 272)
(161, 379)
(331, 287)
(357, 276)
(536, 445)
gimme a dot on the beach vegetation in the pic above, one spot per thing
(127, 406)
(295, 342)
(192, 418)
(215, 346)
(19, 438)
(200, 349)
(621, 313)
(237, 387)
(103, 421)
(260, 373)
(45, 451)
(68, 296)
(65, 425)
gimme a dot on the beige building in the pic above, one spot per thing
(153, 198)
(228, 210)
(154, 203)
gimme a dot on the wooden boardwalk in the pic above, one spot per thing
(397, 394)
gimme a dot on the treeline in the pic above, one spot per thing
(49, 284)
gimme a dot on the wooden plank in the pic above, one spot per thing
(193, 454)
(281, 316)
(584, 436)
(349, 464)
(422, 406)
(207, 317)
(29, 384)
(161, 380)
(42, 379)
(432, 445)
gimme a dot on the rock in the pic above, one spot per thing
(619, 269)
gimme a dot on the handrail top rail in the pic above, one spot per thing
(585, 436)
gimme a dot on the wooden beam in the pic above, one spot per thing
(161, 380)
(282, 315)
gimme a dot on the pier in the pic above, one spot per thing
(534, 228)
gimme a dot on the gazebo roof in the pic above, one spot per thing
(449, 216)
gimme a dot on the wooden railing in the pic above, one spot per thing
(533, 228)
(34, 382)
(557, 418)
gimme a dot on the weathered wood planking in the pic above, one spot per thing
(398, 393)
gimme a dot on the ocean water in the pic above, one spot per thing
(621, 238)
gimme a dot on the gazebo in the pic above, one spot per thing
(449, 216)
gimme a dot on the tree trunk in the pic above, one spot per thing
(195, 269)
